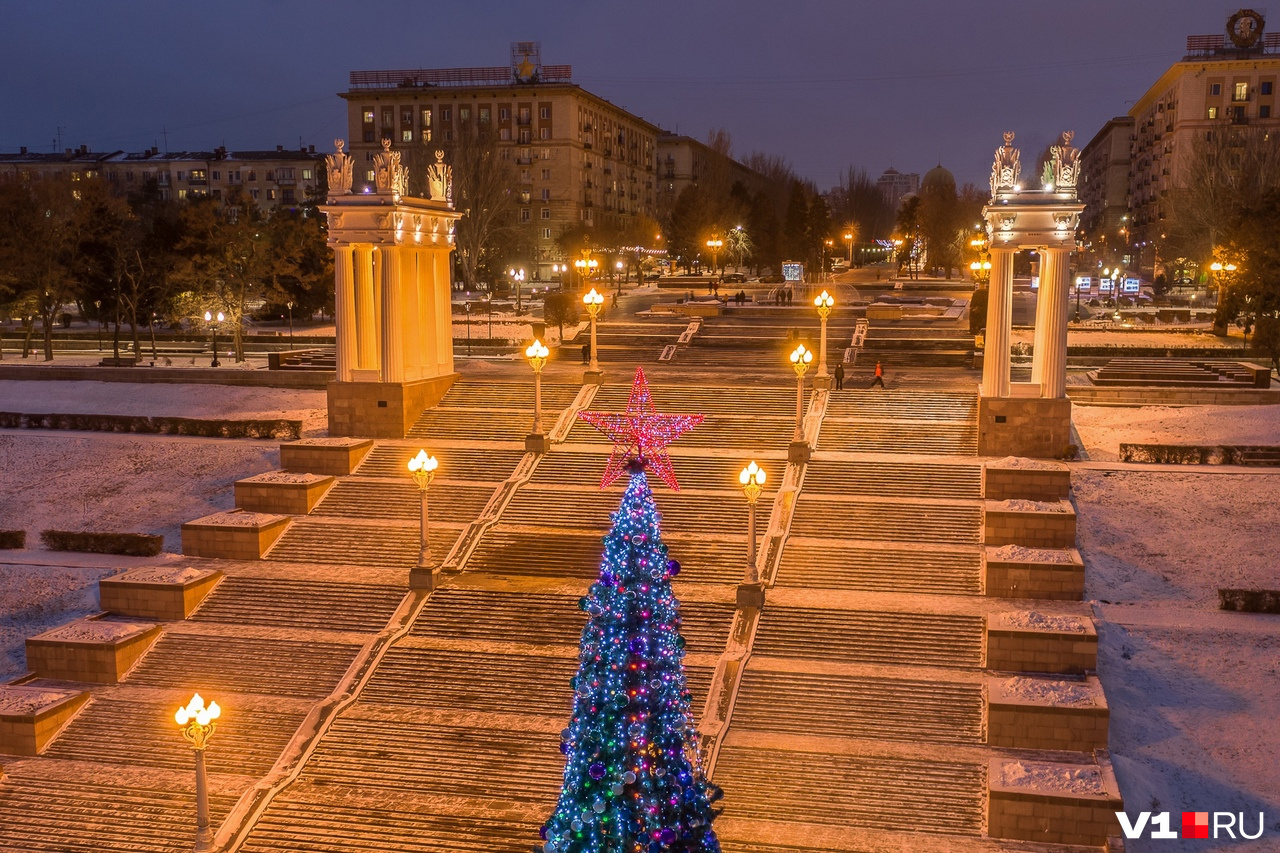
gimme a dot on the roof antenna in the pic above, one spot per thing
(164, 131)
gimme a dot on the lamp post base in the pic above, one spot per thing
(822, 383)
(798, 452)
(751, 595)
(537, 442)
(592, 377)
(424, 577)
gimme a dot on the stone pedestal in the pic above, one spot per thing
(162, 594)
(1024, 426)
(1049, 481)
(592, 377)
(1017, 572)
(1033, 524)
(94, 650)
(1044, 713)
(282, 492)
(1052, 802)
(334, 457)
(382, 409)
(751, 595)
(798, 452)
(232, 535)
(425, 578)
(30, 717)
(1026, 641)
(823, 383)
(537, 442)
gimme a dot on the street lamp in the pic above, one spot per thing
(593, 301)
(537, 354)
(423, 470)
(714, 245)
(517, 276)
(621, 278)
(826, 244)
(752, 479)
(196, 722)
(466, 306)
(289, 305)
(97, 304)
(823, 302)
(848, 238)
(585, 265)
(1218, 268)
(213, 322)
(800, 360)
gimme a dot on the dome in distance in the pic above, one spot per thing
(938, 178)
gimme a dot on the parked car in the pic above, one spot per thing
(772, 278)
(733, 278)
(653, 276)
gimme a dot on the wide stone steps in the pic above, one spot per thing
(544, 619)
(749, 434)
(877, 436)
(444, 760)
(312, 825)
(482, 681)
(692, 472)
(870, 636)
(893, 479)
(134, 732)
(588, 508)
(913, 405)
(390, 545)
(810, 703)
(851, 790)
(886, 520)
(893, 357)
(506, 395)
(437, 425)
(881, 568)
(296, 603)
(510, 551)
(458, 464)
(211, 663)
(62, 816)
(777, 402)
(400, 500)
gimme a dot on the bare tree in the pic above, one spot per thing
(484, 189)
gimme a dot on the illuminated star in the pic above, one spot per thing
(640, 434)
(525, 69)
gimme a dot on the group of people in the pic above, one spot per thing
(782, 296)
(839, 376)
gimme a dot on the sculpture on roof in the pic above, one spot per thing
(440, 180)
(388, 175)
(339, 165)
(1066, 163)
(1007, 166)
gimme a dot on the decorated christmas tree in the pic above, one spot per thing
(633, 781)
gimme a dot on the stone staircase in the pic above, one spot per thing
(901, 421)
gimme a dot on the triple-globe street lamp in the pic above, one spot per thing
(714, 245)
(423, 470)
(823, 302)
(537, 353)
(593, 302)
(801, 358)
(197, 723)
(517, 277)
(752, 480)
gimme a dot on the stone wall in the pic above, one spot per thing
(382, 409)
(1031, 527)
(281, 492)
(1024, 426)
(89, 650)
(163, 594)
(232, 535)
(1013, 648)
(334, 457)
(1032, 484)
(1053, 581)
(1071, 716)
(26, 728)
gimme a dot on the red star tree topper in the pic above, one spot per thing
(640, 434)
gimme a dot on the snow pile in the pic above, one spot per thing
(1103, 428)
(285, 477)
(328, 442)
(23, 701)
(1044, 621)
(237, 518)
(165, 575)
(96, 631)
(1023, 462)
(1065, 694)
(1057, 778)
(1027, 506)
(1023, 554)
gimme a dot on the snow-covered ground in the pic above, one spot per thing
(34, 598)
(1137, 338)
(1103, 428)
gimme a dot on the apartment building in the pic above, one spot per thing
(1104, 189)
(684, 161)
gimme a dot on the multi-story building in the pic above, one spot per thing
(684, 161)
(579, 159)
(1104, 189)
(897, 185)
(1222, 81)
(271, 178)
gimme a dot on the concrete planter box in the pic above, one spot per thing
(30, 717)
(334, 457)
(162, 594)
(1052, 803)
(1045, 713)
(282, 492)
(1034, 524)
(232, 535)
(1019, 642)
(1015, 572)
(94, 650)
(1049, 483)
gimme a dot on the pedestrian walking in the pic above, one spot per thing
(840, 376)
(879, 380)
(586, 353)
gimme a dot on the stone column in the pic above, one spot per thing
(366, 309)
(344, 311)
(392, 333)
(441, 287)
(1051, 325)
(995, 360)
(1042, 307)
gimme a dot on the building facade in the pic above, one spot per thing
(895, 185)
(1104, 189)
(684, 161)
(579, 159)
(271, 178)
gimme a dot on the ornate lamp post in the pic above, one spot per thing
(593, 301)
(823, 302)
(621, 277)
(801, 358)
(980, 273)
(213, 322)
(1219, 268)
(423, 470)
(826, 244)
(517, 276)
(848, 238)
(97, 304)
(196, 722)
(752, 479)
(289, 306)
(537, 354)
(585, 265)
(466, 306)
(714, 245)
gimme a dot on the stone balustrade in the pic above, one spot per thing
(1014, 571)
(335, 457)
(234, 535)
(1046, 713)
(1052, 802)
(1027, 641)
(96, 650)
(282, 492)
(1015, 478)
(1034, 524)
(30, 717)
(164, 594)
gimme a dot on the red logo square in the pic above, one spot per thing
(1195, 824)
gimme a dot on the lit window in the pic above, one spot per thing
(368, 115)
(182, 193)
(426, 134)
(406, 136)
(1213, 113)
(1240, 92)
(368, 175)
(546, 233)
(306, 174)
(545, 154)
(271, 194)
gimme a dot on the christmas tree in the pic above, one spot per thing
(632, 780)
